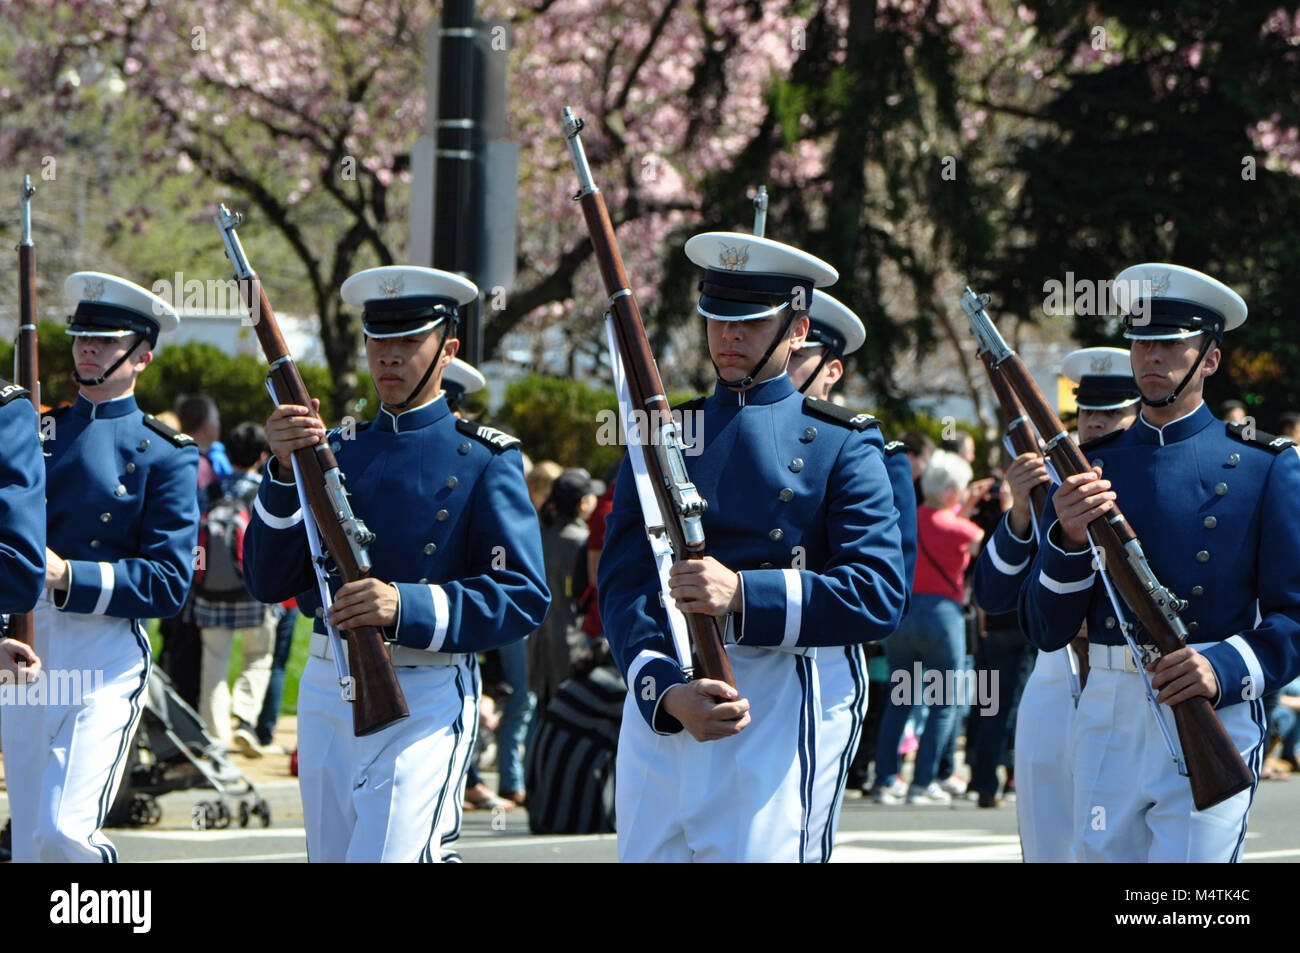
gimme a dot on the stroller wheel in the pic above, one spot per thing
(243, 813)
(155, 812)
(263, 811)
(143, 810)
(203, 816)
(223, 815)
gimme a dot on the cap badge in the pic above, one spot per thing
(733, 258)
(1100, 365)
(390, 287)
(94, 290)
(1159, 283)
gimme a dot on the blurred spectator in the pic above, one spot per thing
(220, 611)
(266, 721)
(1284, 725)
(539, 481)
(1289, 424)
(919, 448)
(552, 648)
(588, 604)
(963, 445)
(932, 635)
(1233, 411)
(199, 418)
(571, 760)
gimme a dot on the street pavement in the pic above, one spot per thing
(869, 833)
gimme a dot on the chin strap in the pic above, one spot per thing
(1187, 379)
(826, 359)
(749, 378)
(442, 343)
(96, 381)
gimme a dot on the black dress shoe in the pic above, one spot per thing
(989, 799)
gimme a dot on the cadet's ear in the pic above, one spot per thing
(834, 370)
(799, 330)
(1211, 362)
(449, 349)
(143, 360)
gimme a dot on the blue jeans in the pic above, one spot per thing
(515, 717)
(275, 687)
(932, 634)
(1005, 652)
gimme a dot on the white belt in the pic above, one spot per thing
(1116, 658)
(402, 655)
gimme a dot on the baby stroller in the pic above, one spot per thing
(173, 751)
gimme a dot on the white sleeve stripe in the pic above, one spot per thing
(1065, 588)
(638, 663)
(1050, 542)
(793, 607)
(107, 580)
(1033, 530)
(1001, 565)
(441, 616)
(1252, 665)
(276, 522)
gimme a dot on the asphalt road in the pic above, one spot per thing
(869, 833)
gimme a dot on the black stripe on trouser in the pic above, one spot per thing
(108, 852)
(1254, 758)
(457, 729)
(457, 806)
(805, 744)
(857, 712)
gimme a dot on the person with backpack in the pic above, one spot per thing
(223, 606)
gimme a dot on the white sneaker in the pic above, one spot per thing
(954, 785)
(895, 793)
(247, 744)
(933, 794)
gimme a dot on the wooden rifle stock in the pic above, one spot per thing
(377, 697)
(27, 361)
(1214, 766)
(1018, 428)
(647, 394)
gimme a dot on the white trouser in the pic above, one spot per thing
(65, 752)
(743, 798)
(1044, 783)
(394, 795)
(216, 702)
(842, 675)
(1130, 803)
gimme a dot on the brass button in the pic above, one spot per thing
(787, 494)
(1211, 522)
(776, 535)
(463, 448)
(94, 544)
(451, 482)
(335, 446)
(1110, 622)
(424, 581)
(1234, 459)
(1198, 590)
(1220, 489)
(320, 612)
(430, 549)
(1203, 556)
(1098, 462)
(796, 464)
(810, 434)
(441, 516)
(144, 445)
(1193, 626)
(765, 566)
(130, 468)
(105, 517)
(119, 491)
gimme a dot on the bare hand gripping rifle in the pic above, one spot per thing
(26, 359)
(679, 501)
(1215, 769)
(376, 695)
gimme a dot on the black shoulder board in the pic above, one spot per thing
(496, 439)
(1259, 439)
(175, 436)
(840, 415)
(1100, 441)
(694, 403)
(895, 446)
(10, 392)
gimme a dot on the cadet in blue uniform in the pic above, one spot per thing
(457, 569)
(121, 524)
(1212, 505)
(22, 519)
(834, 332)
(804, 551)
(1107, 398)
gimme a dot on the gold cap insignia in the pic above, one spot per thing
(733, 258)
(94, 290)
(390, 287)
(1159, 283)
(1100, 364)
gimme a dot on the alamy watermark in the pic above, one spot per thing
(689, 425)
(1091, 298)
(946, 687)
(55, 687)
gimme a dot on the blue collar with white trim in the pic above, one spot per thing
(1176, 430)
(764, 392)
(105, 409)
(414, 419)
